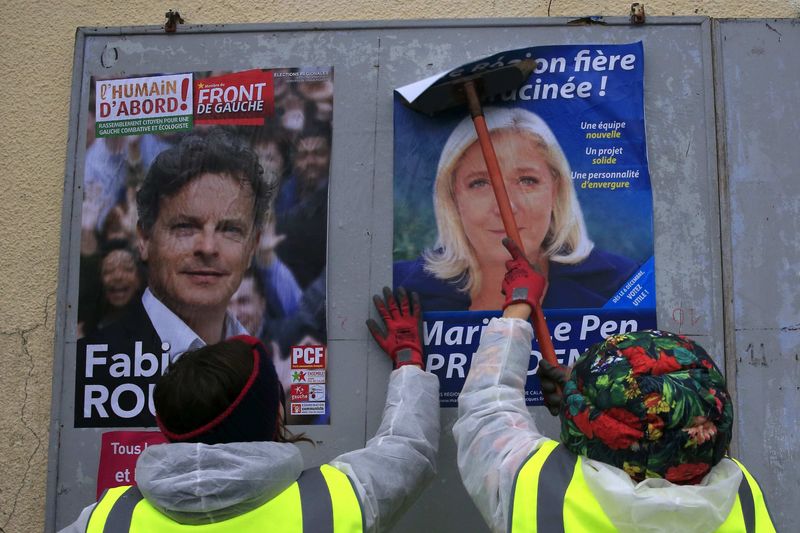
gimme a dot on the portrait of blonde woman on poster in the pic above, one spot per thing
(464, 268)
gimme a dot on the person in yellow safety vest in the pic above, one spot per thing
(231, 464)
(645, 423)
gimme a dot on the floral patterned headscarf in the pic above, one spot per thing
(650, 402)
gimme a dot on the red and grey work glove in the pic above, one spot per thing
(553, 379)
(522, 283)
(401, 339)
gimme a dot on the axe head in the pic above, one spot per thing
(449, 93)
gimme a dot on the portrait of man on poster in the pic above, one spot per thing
(200, 208)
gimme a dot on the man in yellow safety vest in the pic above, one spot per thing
(232, 466)
(645, 424)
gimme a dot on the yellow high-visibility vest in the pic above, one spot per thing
(321, 500)
(550, 495)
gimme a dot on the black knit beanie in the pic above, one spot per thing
(251, 416)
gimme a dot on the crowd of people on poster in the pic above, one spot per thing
(283, 118)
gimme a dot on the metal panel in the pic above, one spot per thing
(758, 80)
(68, 219)
(370, 59)
(679, 109)
(353, 55)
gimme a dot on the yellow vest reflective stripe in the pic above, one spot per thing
(749, 509)
(322, 500)
(564, 502)
(120, 500)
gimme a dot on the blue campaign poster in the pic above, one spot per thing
(571, 146)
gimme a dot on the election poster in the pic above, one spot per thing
(204, 217)
(570, 140)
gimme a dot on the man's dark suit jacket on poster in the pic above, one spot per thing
(126, 380)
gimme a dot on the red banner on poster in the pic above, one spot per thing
(242, 98)
(298, 393)
(308, 357)
(119, 451)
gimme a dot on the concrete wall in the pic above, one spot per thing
(36, 47)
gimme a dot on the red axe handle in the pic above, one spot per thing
(543, 336)
(501, 195)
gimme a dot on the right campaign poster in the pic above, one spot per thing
(572, 150)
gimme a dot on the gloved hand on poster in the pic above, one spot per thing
(522, 283)
(401, 339)
(553, 379)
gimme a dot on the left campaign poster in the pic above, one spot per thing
(204, 216)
